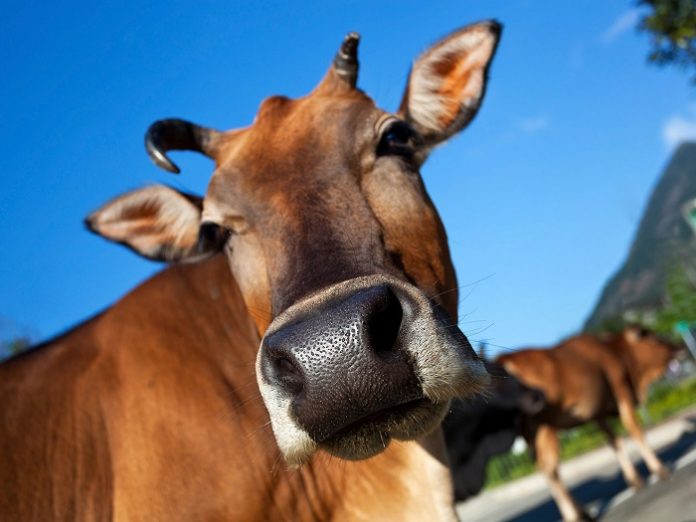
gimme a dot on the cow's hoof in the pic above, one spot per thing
(582, 516)
(637, 483)
(663, 473)
(586, 517)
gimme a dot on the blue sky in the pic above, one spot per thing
(540, 196)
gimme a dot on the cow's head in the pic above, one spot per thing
(480, 427)
(648, 356)
(338, 251)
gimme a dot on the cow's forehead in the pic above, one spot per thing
(319, 118)
(294, 146)
(298, 139)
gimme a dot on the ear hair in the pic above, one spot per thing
(448, 82)
(157, 222)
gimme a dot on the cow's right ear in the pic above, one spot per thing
(157, 222)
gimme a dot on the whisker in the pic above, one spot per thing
(499, 346)
(461, 287)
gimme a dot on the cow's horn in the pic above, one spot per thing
(173, 134)
(346, 61)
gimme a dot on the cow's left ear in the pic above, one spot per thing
(157, 222)
(531, 400)
(447, 83)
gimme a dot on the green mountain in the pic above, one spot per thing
(664, 239)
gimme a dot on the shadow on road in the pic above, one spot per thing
(601, 491)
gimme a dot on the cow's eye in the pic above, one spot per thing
(397, 139)
(212, 237)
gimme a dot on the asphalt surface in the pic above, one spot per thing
(672, 500)
(596, 482)
(608, 498)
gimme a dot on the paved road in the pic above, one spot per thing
(673, 500)
(597, 483)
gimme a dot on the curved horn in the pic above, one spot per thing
(174, 134)
(346, 61)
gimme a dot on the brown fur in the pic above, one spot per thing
(588, 378)
(151, 411)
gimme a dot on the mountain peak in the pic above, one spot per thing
(662, 240)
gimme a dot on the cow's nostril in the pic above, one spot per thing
(384, 323)
(288, 374)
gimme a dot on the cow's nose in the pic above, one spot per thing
(345, 362)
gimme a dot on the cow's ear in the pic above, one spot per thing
(157, 222)
(532, 400)
(447, 83)
(633, 334)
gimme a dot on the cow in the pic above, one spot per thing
(483, 426)
(585, 378)
(296, 359)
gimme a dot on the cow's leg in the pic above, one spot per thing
(630, 421)
(547, 451)
(627, 468)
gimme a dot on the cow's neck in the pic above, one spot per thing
(194, 386)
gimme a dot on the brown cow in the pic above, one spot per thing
(588, 378)
(339, 305)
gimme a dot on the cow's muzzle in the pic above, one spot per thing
(344, 365)
(366, 361)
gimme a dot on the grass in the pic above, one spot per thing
(665, 400)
